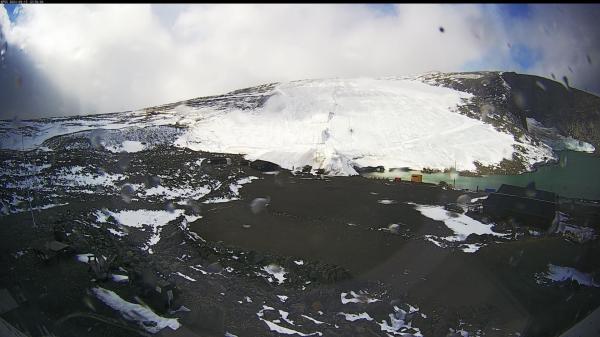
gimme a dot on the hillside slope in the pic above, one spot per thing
(484, 122)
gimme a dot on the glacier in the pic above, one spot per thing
(337, 124)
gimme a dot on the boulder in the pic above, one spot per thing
(264, 166)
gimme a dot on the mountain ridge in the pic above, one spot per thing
(512, 104)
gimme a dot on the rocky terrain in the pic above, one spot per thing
(253, 253)
(520, 104)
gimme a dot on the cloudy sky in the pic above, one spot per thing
(82, 59)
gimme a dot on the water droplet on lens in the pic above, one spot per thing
(124, 162)
(214, 267)
(519, 100)
(486, 110)
(96, 138)
(566, 81)
(394, 228)
(152, 181)
(463, 199)
(259, 204)
(540, 85)
(127, 192)
(195, 206)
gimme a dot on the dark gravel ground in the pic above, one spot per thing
(335, 225)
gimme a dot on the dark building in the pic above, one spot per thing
(525, 205)
(219, 161)
(369, 169)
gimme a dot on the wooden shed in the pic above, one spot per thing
(416, 178)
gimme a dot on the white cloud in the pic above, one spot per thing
(118, 57)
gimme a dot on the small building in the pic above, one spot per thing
(525, 205)
(416, 178)
(49, 250)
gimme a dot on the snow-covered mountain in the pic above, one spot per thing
(470, 121)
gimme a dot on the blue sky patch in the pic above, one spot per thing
(383, 9)
(12, 10)
(520, 11)
(524, 56)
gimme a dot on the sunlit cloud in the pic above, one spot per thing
(103, 58)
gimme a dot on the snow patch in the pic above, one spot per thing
(219, 200)
(119, 278)
(561, 274)
(139, 219)
(77, 176)
(85, 258)
(313, 320)
(470, 247)
(235, 187)
(280, 329)
(277, 272)
(356, 317)
(180, 192)
(398, 324)
(127, 146)
(477, 199)
(185, 277)
(460, 224)
(361, 297)
(135, 312)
